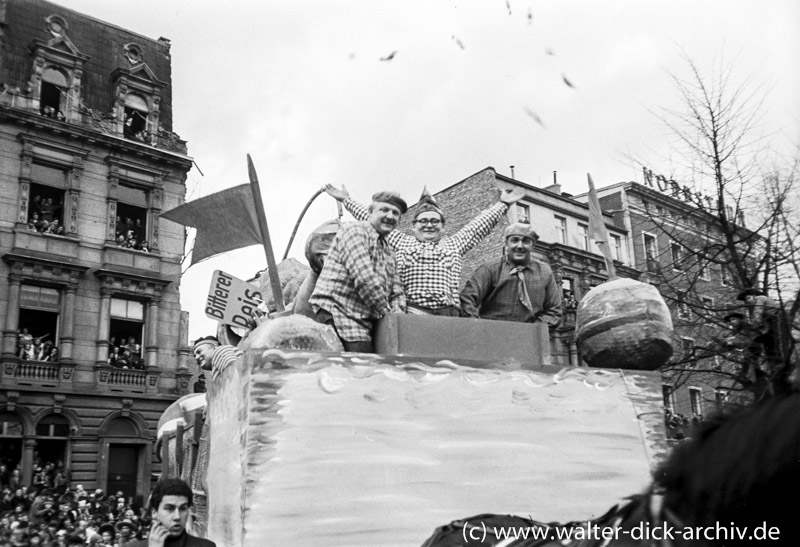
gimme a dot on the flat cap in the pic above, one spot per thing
(393, 198)
(520, 229)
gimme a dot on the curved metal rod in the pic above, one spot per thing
(297, 224)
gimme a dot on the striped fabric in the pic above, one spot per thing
(431, 271)
(223, 357)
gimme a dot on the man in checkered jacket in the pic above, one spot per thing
(430, 265)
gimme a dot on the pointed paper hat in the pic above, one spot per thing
(427, 203)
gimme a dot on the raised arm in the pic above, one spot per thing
(358, 210)
(480, 226)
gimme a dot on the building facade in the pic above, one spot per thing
(676, 246)
(93, 338)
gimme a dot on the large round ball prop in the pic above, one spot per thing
(624, 324)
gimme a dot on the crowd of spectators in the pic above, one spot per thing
(49, 512)
(44, 216)
(35, 348)
(127, 354)
(130, 234)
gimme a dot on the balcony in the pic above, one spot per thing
(63, 247)
(127, 380)
(36, 373)
(115, 257)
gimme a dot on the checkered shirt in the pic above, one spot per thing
(493, 293)
(359, 283)
(431, 270)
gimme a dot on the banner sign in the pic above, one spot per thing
(231, 300)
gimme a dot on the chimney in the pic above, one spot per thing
(554, 188)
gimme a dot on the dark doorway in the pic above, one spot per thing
(123, 464)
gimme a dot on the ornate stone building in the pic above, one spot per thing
(88, 161)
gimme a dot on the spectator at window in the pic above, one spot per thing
(27, 353)
(34, 222)
(133, 346)
(24, 337)
(145, 247)
(138, 229)
(48, 209)
(52, 355)
(124, 360)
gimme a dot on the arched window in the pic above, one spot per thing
(53, 425)
(120, 427)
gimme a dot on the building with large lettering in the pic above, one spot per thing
(93, 338)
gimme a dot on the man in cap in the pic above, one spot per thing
(517, 287)
(126, 530)
(359, 282)
(169, 504)
(213, 356)
(428, 263)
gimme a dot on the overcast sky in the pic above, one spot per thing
(402, 94)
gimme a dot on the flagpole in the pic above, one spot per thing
(600, 226)
(274, 280)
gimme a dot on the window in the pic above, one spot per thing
(52, 433)
(46, 206)
(51, 95)
(583, 236)
(523, 212)
(650, 252)
(127, 329)
(702, 266)
(724, 276)
(696, 399)
(678, 256)
(131, 221)
(39, 309)
(683, 309)
(616, 247)
(52, 425)
(135, 124)
(668, 392)
(568, 293)
(687, 351)
(561, 230)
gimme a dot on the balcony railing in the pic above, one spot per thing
(20, 372)
(126, 379)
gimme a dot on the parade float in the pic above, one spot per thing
(300, 443)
